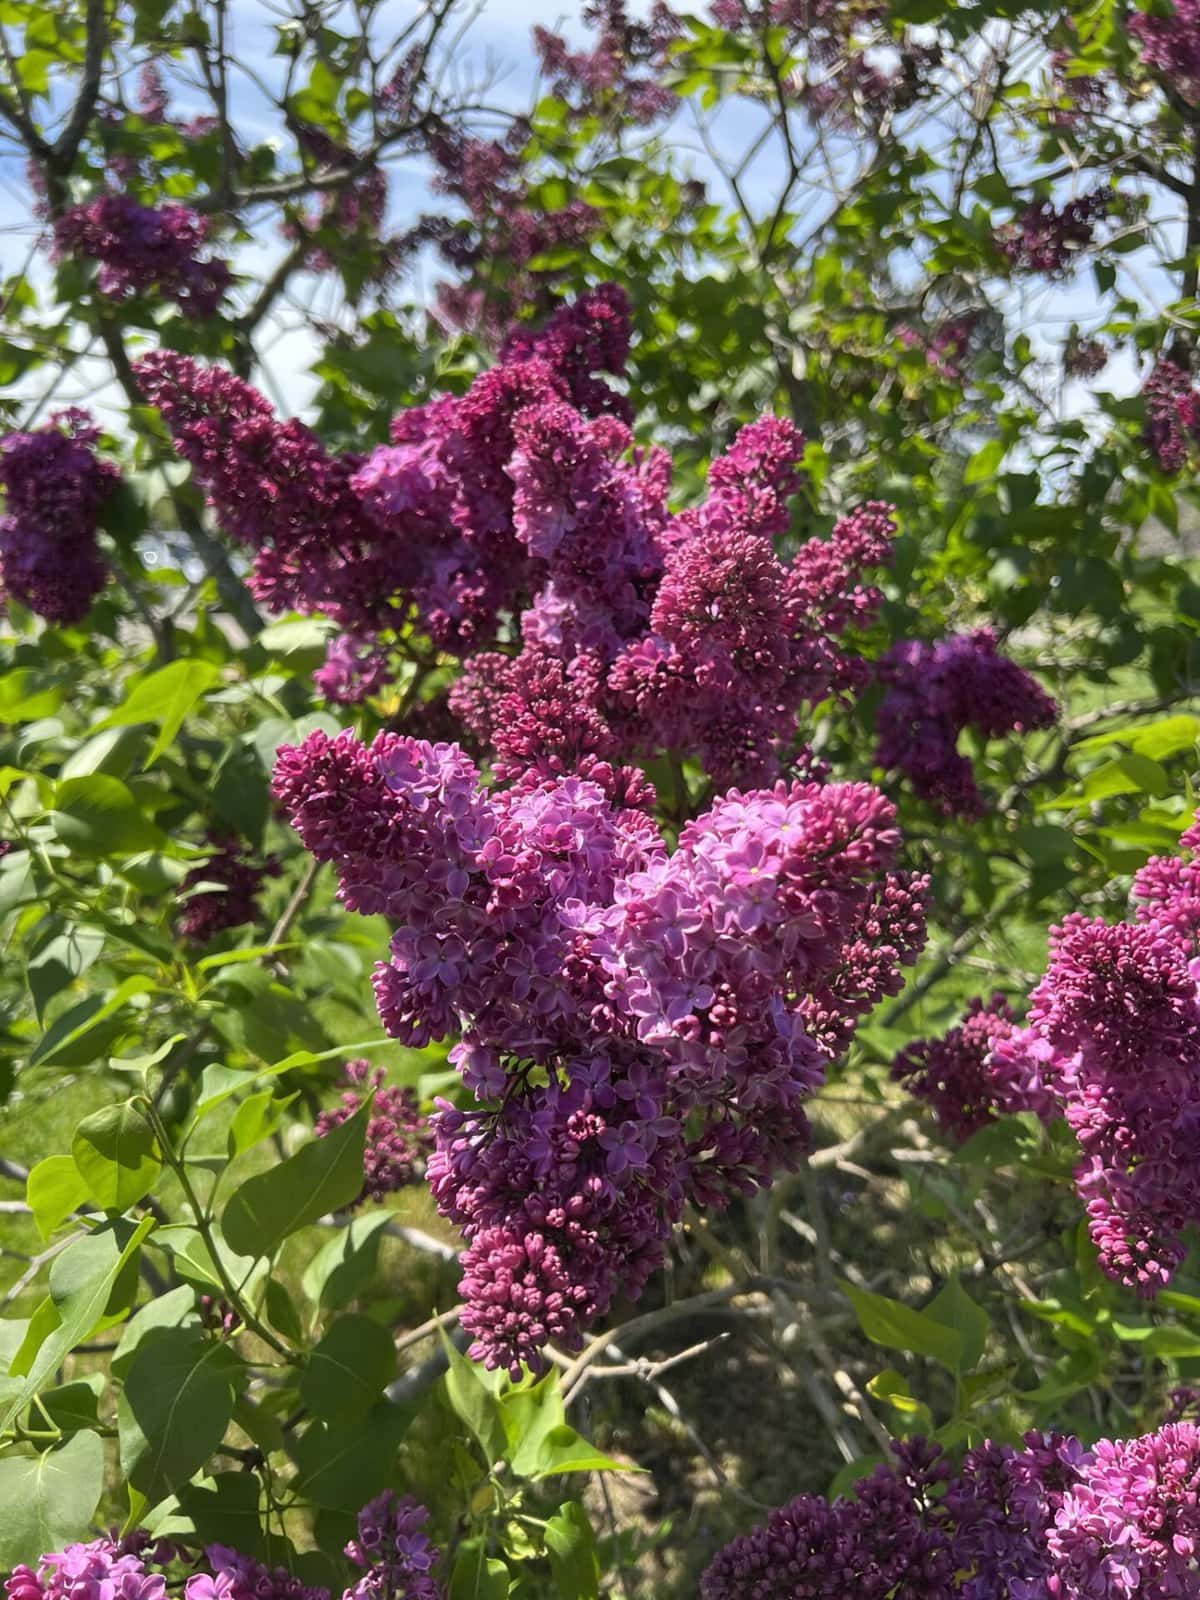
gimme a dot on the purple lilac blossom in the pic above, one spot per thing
(398, 1136)
(145, 250)
(663, 999)
(54, 486)
(934, 692)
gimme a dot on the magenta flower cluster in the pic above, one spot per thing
(398, 1136)
(1049, 239)
(1113, 1033)
(395, 1555)
(1051, 1520)
(222, 892)
(638, 1029)
(1170, 41)
(934, 692)
(619, 75)
(641, 630)
(425, 523)
(54, 486)
(1172, 405)
(143, 250)
(962, 1079)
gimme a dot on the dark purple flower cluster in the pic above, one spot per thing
(961, 1078)
(353, 669)
(394, 1552)
(222, 892)
(145, 250)
(54, 486)
(638, 1029)
(618, 77)
(1114, 1034)
(1049, 1521)
(1085, 358)
(1049, 238)
(1172, 415)
(503, 224)
(424, 523)
(934, 692)
(1171, 46)
(641, 632)
(398, 1136)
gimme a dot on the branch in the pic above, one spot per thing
(66, 146)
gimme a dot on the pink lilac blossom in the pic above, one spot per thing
(610, 77)
(934, 692)
(347, 220)
(145, 250)
(222, 892)
(1048, 238)
(1050, 1520)
(1114, 1034)
(962, 1079)
(54, 486)
(1172, 415)
(1085, 358)
(1170, 44)
(632, 1024)
(947, 345)
(398, 1136)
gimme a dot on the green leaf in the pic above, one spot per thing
(83, 1281)
(47, 1500)
(1170, 736)
(985, 463)
(345, 1265)
(572, 1552)
(899, 1327)
(117, 1155)
(478, 1576)
(475, 1403)
(53, 1190)
(564, 1450)
(175, 1407)
(953, 1307)
(325, 1175)
(73, 1406)
(343, 1465)
(348, 1369)
(281, 1311)
(82, 1034)
(256, 1119)
(97, 815)
(165, 698)
(170, 1310)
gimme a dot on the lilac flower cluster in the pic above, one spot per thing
(637, 1029)
(947, 345)
(1052, 1519)
(54, 485)
(502, 224)
(353, 670)
(222, 891)
(398, 1136)
(145, 250)
(349, 215)
(1170, 44)
(934, 692)
(962, 1079)
(1114, 1034)
(1048, 238)
(425, 522)
(394, 1552)
(609, 77)
(641, 631)
(1085, 358)
(396, 1557)
(1172, 415)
